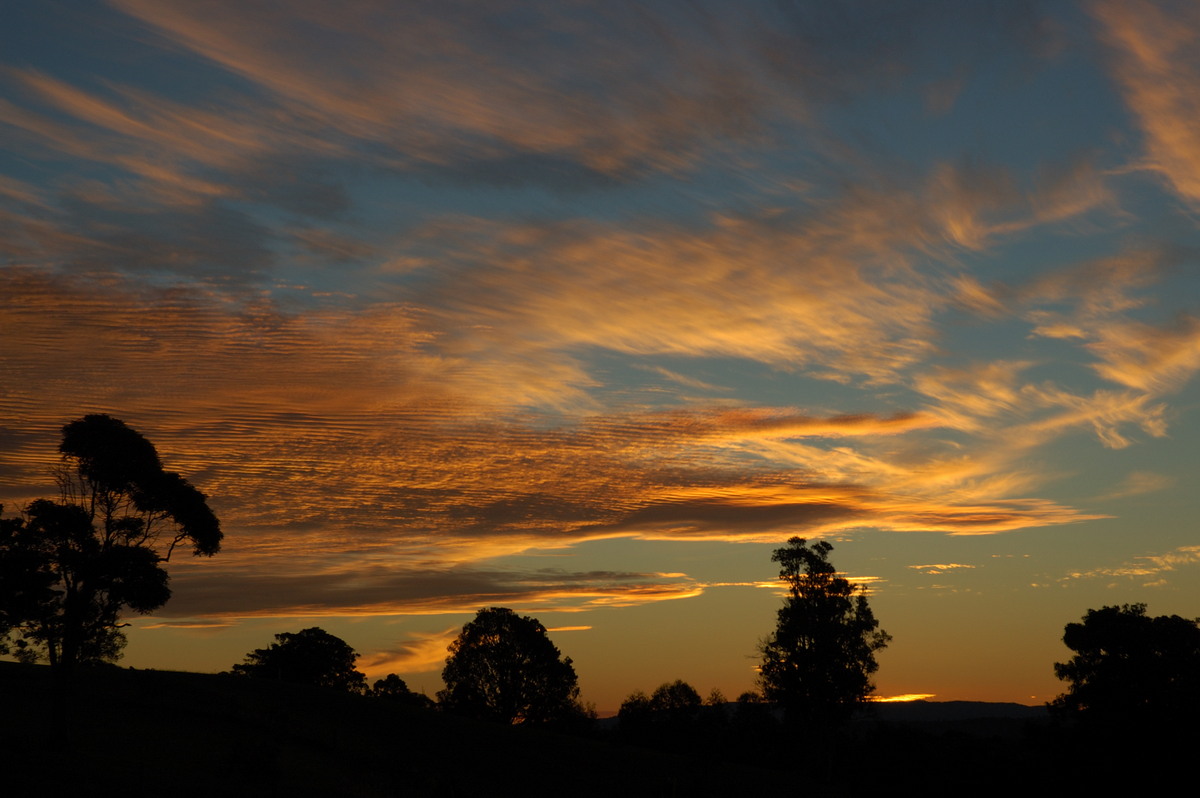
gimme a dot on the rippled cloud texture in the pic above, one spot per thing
(416, 290)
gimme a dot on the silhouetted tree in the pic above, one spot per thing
(1131, 670)
(71, 567)
(753, 712)
(27, 591)
(115, 474)
(635, 711)
(392, 688)
(671, 709)
(676, 702)
(311, 656)
(818, 663)
(503, 667)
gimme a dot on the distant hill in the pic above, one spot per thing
(942, 711)
(984, 716)
(975, 718)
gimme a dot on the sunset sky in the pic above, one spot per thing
(583, 308)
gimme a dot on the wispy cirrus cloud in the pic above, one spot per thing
(516, 95)
(365, 590)
(1139, 483)
(1099, 298)
(160, 185)
(937, 569)
(1151, 567)
(454, 89)
(1090, 306)
(532, 91)
(1155, 62)
(1152, 358)
(835, 287)
(421, 652)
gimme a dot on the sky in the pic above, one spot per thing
(584, 308)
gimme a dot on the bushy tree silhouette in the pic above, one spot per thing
(677, 697)
(390, 687)
(394, 689)
(311, 656)
(1131, 670)
(71, 567)
(671, 708)
(818, 663)
(503, 667)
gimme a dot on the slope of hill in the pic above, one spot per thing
(947, 711)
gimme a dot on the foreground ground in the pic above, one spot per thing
(152, 733)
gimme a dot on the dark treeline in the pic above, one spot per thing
(146, 733)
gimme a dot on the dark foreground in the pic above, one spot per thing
(154, 733)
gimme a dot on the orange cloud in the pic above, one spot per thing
(1148, 358)
(424, 651)
(1156, 64)
(1106, 412)
(971, 397)
(831, 289)
(1098, 289)
(395, 437)
(971, 207)
(902, 698)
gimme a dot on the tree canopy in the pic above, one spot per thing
(73, 566)
(676, 697)
(818, 663)
(672, 704)
(115, 474)
(311, 656)
(1130, 668)
(393, 689)
(503, 667)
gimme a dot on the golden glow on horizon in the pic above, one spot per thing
(896, 699)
